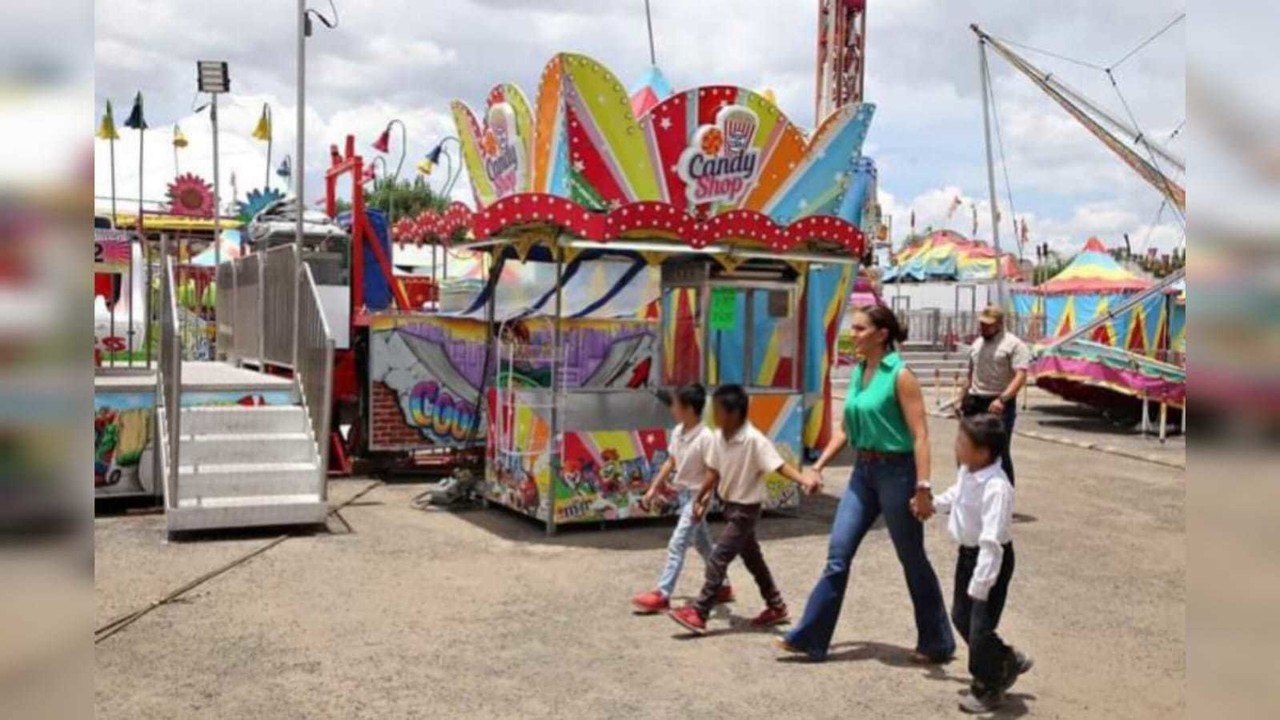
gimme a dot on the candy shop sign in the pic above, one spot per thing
(502, 150)
(720, 164)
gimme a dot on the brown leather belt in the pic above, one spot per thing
(880, 455)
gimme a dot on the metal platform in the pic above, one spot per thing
(213, 376)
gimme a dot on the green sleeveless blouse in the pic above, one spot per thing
(873, 419)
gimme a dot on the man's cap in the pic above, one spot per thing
(991, 315)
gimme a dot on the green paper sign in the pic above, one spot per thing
(724, 308)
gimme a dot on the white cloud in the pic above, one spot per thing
(396, 58)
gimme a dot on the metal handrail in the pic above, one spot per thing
(279, 297)
(224, 311)
(313, 366)
(246, 332)
(169, 381)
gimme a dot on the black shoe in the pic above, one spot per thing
(1021, 665)
(981, 703)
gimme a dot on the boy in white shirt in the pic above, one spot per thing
(738, 458)
(981, 508)
(686, 451)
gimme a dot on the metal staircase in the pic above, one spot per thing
(240, 447)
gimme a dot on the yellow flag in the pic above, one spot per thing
(107, 128)
(263, 130)
(179, 140)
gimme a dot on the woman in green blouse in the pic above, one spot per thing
(884, 423)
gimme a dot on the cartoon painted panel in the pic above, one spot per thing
(518, 471)
(606, 473)
(425, 371)
(122, 425)
(122, 434)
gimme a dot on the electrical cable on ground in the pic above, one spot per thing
(124, 621)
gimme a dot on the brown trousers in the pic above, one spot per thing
(737, 538)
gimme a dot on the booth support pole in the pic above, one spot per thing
(557, 390)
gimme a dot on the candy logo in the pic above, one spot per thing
(502, 151)
(720, 165)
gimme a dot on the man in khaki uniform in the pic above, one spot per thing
(998, 362)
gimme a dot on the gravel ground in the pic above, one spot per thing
(479, 614)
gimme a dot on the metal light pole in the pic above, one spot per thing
(299, 151)
(217, 197)
(991, 170)
(212, 78)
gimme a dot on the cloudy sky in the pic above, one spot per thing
(401, 59)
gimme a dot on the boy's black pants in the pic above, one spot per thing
(991, 662)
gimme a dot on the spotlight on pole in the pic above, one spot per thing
(212, 77)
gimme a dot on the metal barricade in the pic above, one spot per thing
(224, 310)
(924, 327)
(246, 337)
(169, 384)
(278, 309)
(314, 370)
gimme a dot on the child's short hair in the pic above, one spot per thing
(732, 399)
(663, 395)
(692, 396)
(986, 431)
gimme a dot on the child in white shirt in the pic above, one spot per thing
(981, 512)
(682, 474)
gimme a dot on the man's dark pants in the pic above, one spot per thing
(976, 404)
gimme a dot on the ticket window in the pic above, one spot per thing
(752, 336)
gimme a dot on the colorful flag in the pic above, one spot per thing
(107, 128)
(263, 130)
(136, 121)
(179, 140)
(285, 170)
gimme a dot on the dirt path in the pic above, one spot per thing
(479, 614)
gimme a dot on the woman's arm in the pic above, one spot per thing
(911, 399)
(834, 446)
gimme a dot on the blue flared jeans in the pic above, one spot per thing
(878, 486)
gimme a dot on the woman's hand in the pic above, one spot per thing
(922, 504)
(813, 480)
(699, 508)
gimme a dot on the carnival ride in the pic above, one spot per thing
(1108, 337)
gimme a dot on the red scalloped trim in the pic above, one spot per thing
(640, 218)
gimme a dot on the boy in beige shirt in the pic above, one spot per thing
(738, 458)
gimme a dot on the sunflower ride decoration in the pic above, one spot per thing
(191, 196)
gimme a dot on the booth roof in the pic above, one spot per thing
(580, 140)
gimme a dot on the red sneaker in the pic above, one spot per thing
(689, 618)
(650, 603)
(724, 594)
(771, 616)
